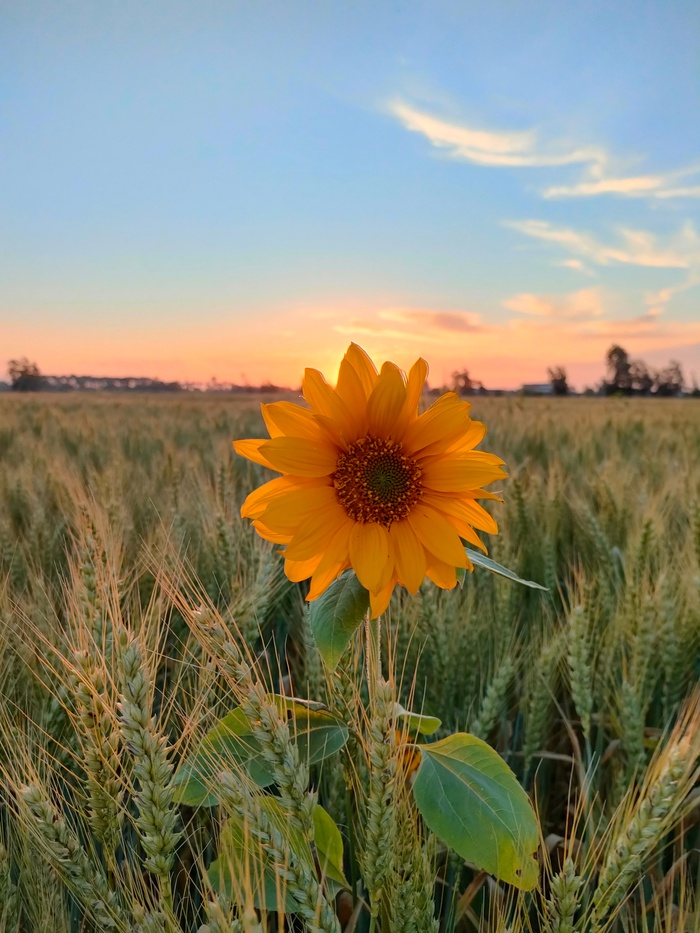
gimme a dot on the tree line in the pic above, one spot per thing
(634, 377)
(25, 376)
(625, 376)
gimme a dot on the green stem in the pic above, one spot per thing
(350, 820)
(373, 655)
(373, 660)
(166, 894)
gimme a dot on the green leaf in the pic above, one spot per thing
(416, 722)
(242, 858)
(481, 560)
(229, 744)
(329, 850)
(318, 733)
(335, 616)
(471, 799)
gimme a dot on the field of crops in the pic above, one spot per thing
(138, 609)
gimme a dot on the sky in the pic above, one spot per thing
(241, 189)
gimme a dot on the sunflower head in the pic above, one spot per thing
(370, 484)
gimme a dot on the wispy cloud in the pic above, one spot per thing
(578, 306)
(567, 321)
(637, 247)
(524, 149)
(575, 264)
(413, 324)
(490, 147)
(464, 321)
(631, 186)
(692, 191)
(657, 301)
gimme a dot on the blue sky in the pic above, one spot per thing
(240, 189)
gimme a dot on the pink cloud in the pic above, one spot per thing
(579, 305)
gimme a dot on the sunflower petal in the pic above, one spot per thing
(250, 449)
(322, 579)
(256, 501)
(363, 366)
(334, 561)
(437, 535)
(446, 421)
(287, 513)
(414, 390)
(300, 457)
(370, 553)
(442, 574)
(479, 517)
(467, 533)
(379, 601)
(325, 401)
(409, 555)
(386, 402)
(485, 457)
(481, 494)
(298, 570)
(415, 385)
(316, 533)
(474, 435)
(269, 534)
(457, 474)
(287, 419)
(466, 510)
(349, 386)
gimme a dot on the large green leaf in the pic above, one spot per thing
(242, 860)
(335, 616)
(317, 732)
(481, 560)
(471, 799)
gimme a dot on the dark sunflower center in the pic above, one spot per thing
(376, 482)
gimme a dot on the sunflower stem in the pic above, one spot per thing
(373, 655)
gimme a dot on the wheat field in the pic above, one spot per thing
(138, 610)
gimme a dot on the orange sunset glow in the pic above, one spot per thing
(277, 347)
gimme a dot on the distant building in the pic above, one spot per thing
(537, 388)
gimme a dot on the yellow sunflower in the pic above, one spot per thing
(369, 483)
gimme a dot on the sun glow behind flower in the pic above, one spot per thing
(369, 483)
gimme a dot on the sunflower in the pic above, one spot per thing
(369, 483)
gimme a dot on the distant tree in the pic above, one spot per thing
(462, 383)
(24, 375)
(618, 363)
(670, 381)
(557, 377)
(640, 377)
